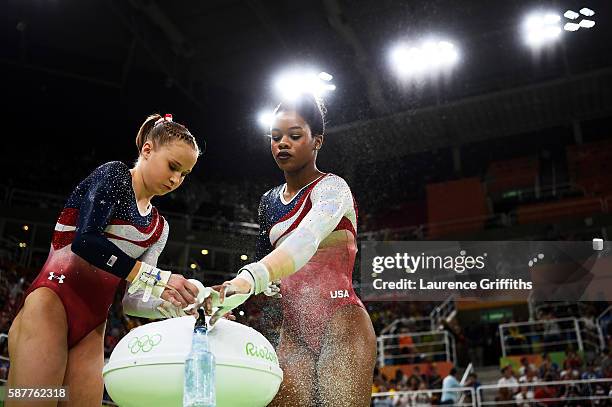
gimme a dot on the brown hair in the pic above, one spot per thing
(161, 130)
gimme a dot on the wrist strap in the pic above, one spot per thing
(257, 274)
(151, 280)
(246, 275)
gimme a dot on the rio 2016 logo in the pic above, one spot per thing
(261, 352)
(145, 343)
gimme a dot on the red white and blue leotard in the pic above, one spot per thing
(98, 237)
(311, 240)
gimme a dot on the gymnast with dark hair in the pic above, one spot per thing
(308, 242)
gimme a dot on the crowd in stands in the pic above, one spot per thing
(224, 199)
(384, 313)
(395, 209)
(519, 384)
(523, 387)
(417, 381)
(555, 328)
(426, 388)
(517, 391)
(264, 314)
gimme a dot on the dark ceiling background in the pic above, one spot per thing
(80, 76)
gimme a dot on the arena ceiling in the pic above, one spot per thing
(499, 88)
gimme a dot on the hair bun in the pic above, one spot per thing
(311, 108)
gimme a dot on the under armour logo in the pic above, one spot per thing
(60, 277)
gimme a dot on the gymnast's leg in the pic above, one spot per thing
(38, 347)
(84, 370)
(298, 364)
(348, 357)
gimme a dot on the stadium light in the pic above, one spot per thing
(291, 84)
(430, 56)
(584, 23)
(587, 23)
(204, 252)
(325, 76)
(266, 118)
(587, 12)
(571, 27)
(571, 15)
(542, 28)
(244, 257)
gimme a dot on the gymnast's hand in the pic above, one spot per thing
(179, 291)
(236, 285)
(171, 310)
(232, 294)
(273, 290)
(242, 286)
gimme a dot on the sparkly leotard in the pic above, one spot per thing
(98, 237)
(312, 240)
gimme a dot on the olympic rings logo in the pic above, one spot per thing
(145, 343)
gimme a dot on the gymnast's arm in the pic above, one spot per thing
(331, 200)
(113, 183)
(132, 302)
(95, 212)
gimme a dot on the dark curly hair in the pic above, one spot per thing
(310, 108)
